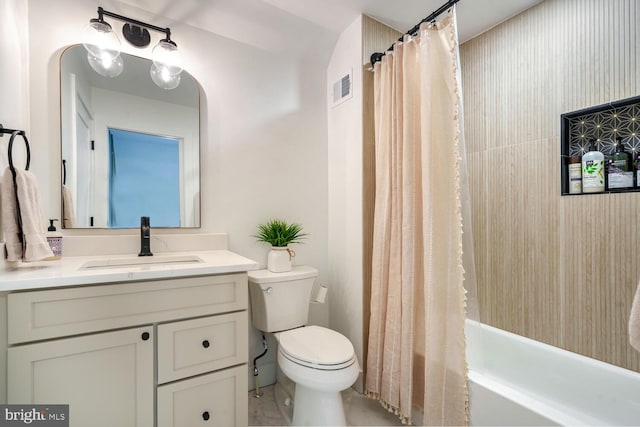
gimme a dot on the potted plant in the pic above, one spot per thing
(280, 234)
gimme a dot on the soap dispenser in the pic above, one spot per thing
(54, 239)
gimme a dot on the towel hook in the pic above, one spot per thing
(15, 133)
(26, 143)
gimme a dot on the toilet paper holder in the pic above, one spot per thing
(321, 295)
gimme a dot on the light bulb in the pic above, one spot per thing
(166, 54)
(106, 64)
(163, 78)
(99, 37)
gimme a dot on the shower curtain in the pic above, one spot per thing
(416, 353)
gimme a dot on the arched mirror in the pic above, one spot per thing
(129, 148)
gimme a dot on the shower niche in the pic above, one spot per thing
(601, 127)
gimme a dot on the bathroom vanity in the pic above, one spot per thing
(131, 343)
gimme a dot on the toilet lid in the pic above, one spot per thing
(316, 345)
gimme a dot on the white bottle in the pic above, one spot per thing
(593, 171)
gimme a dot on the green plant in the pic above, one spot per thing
(279, 233)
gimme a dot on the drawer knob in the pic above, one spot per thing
(205, 415)
(206, 343)
(145, 336)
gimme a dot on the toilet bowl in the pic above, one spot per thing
(321, 362)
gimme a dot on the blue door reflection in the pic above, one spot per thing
(144, 179)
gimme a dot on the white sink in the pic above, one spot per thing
(140, 262)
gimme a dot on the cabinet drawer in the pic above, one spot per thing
(217, 399)
(193, 347)
(46, 314)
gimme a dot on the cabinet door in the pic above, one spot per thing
(219, 399)
(106, 379)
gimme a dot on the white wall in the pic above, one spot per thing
(263, 126)
(345, 193)
(263, 129)
(13, 67)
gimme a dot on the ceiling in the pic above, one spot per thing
(474, 16)
(310, 28)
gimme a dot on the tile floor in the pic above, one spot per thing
(361, 411)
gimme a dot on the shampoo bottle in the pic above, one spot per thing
(620, 173)
(593, 171)
(621, 159)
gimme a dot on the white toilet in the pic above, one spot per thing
(320, 361)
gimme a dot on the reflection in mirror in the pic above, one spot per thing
(129, 148)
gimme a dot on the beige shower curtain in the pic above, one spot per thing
(416, 355)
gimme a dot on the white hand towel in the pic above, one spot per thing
(34, 246)
(634, 321)
(9, 213)
(68, 210)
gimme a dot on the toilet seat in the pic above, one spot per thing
(317, 347)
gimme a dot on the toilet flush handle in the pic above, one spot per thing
(268, 290)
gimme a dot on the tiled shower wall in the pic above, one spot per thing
(561, 270)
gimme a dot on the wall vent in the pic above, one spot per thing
(342, 89)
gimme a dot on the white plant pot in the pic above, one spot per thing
(279, 259)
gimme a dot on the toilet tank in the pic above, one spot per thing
(280, 301)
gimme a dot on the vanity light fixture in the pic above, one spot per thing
(103, 48)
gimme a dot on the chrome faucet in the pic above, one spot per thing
(145, 236)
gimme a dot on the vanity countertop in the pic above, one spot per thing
(87, 270)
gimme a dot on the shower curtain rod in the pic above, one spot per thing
(377, 56)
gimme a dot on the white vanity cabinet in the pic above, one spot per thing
(167, 352)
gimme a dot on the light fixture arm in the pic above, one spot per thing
(166, 31)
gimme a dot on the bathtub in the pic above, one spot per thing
(518, 381)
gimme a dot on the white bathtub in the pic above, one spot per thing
(518, 381)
